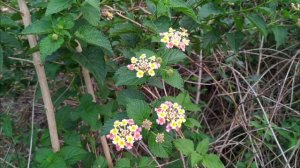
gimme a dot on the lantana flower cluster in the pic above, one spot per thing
(171, 114)
(144, 65)
(175, 38)
(125, 133)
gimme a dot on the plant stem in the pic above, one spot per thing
(90, 90)
(39, 67)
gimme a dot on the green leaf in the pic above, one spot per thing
(123, 76)
(125, 96)
(91, 14)
(212, 161)
(72, 139)
(160, 25)
(48, 46)
(94, 3)
(100, 162)
(138, 110)
(163, 9)
(42, 154)
(191, 123)
(207, 10)
(93, 36)
(146, 162)
(203, 146)
(89, 112)
(195, 158)
(171, 56)
(181, 6)
(7, 22)
(9, 39)
(1, 60)
(55, 6)
(7, 126)
(185, 100)
(92, 59)
(38, 27)
(123, 163)
(210, 39)
(156, 82)
(123, 28)
(174, 79)
(280, 34)
(258, 22)
(185, 146)
(73, 154)
(235, 39)
(161, 150)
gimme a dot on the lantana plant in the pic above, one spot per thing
(124, 134)
(175, 38)
(171, 114)
(144, 65)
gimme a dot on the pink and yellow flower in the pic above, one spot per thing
(175, 38)
(144, 66)
(171, 114)
(124, 134)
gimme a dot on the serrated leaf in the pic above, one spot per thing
(9, 39)
(93, 36)
(89, 112)
(146, 162)
(191, 123)
(207, 10)
(210, 39)
(171, 56)
(92, 59)
(156, 82)
(195, 158)
(91, 14)
(212, 161)
(55, 6)
(99, 162)
(174, 79)
(123, 28)
(161, 150)
(280, 34)
(7, 22)
(185, 146)
(125, 96)
(235, 39)
(203, 146)
(160, 25)
(138, 110)
(49, 46)
(123, 76)
(258, 22)
(181, 6)
(1, 60)
(73, 154)
(94, 3)
(123, 163)
(38, 27)
(185, 100)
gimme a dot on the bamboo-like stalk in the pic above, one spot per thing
(39, 67)
(90, 90)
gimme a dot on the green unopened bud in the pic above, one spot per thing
(54, 36)
(170, 72)
(60, 26)
(159, 59)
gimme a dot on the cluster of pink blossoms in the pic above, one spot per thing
(175, 38)
(171, 114)
(144, 65)
(124, 134)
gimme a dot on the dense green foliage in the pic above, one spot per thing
(242, 59)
